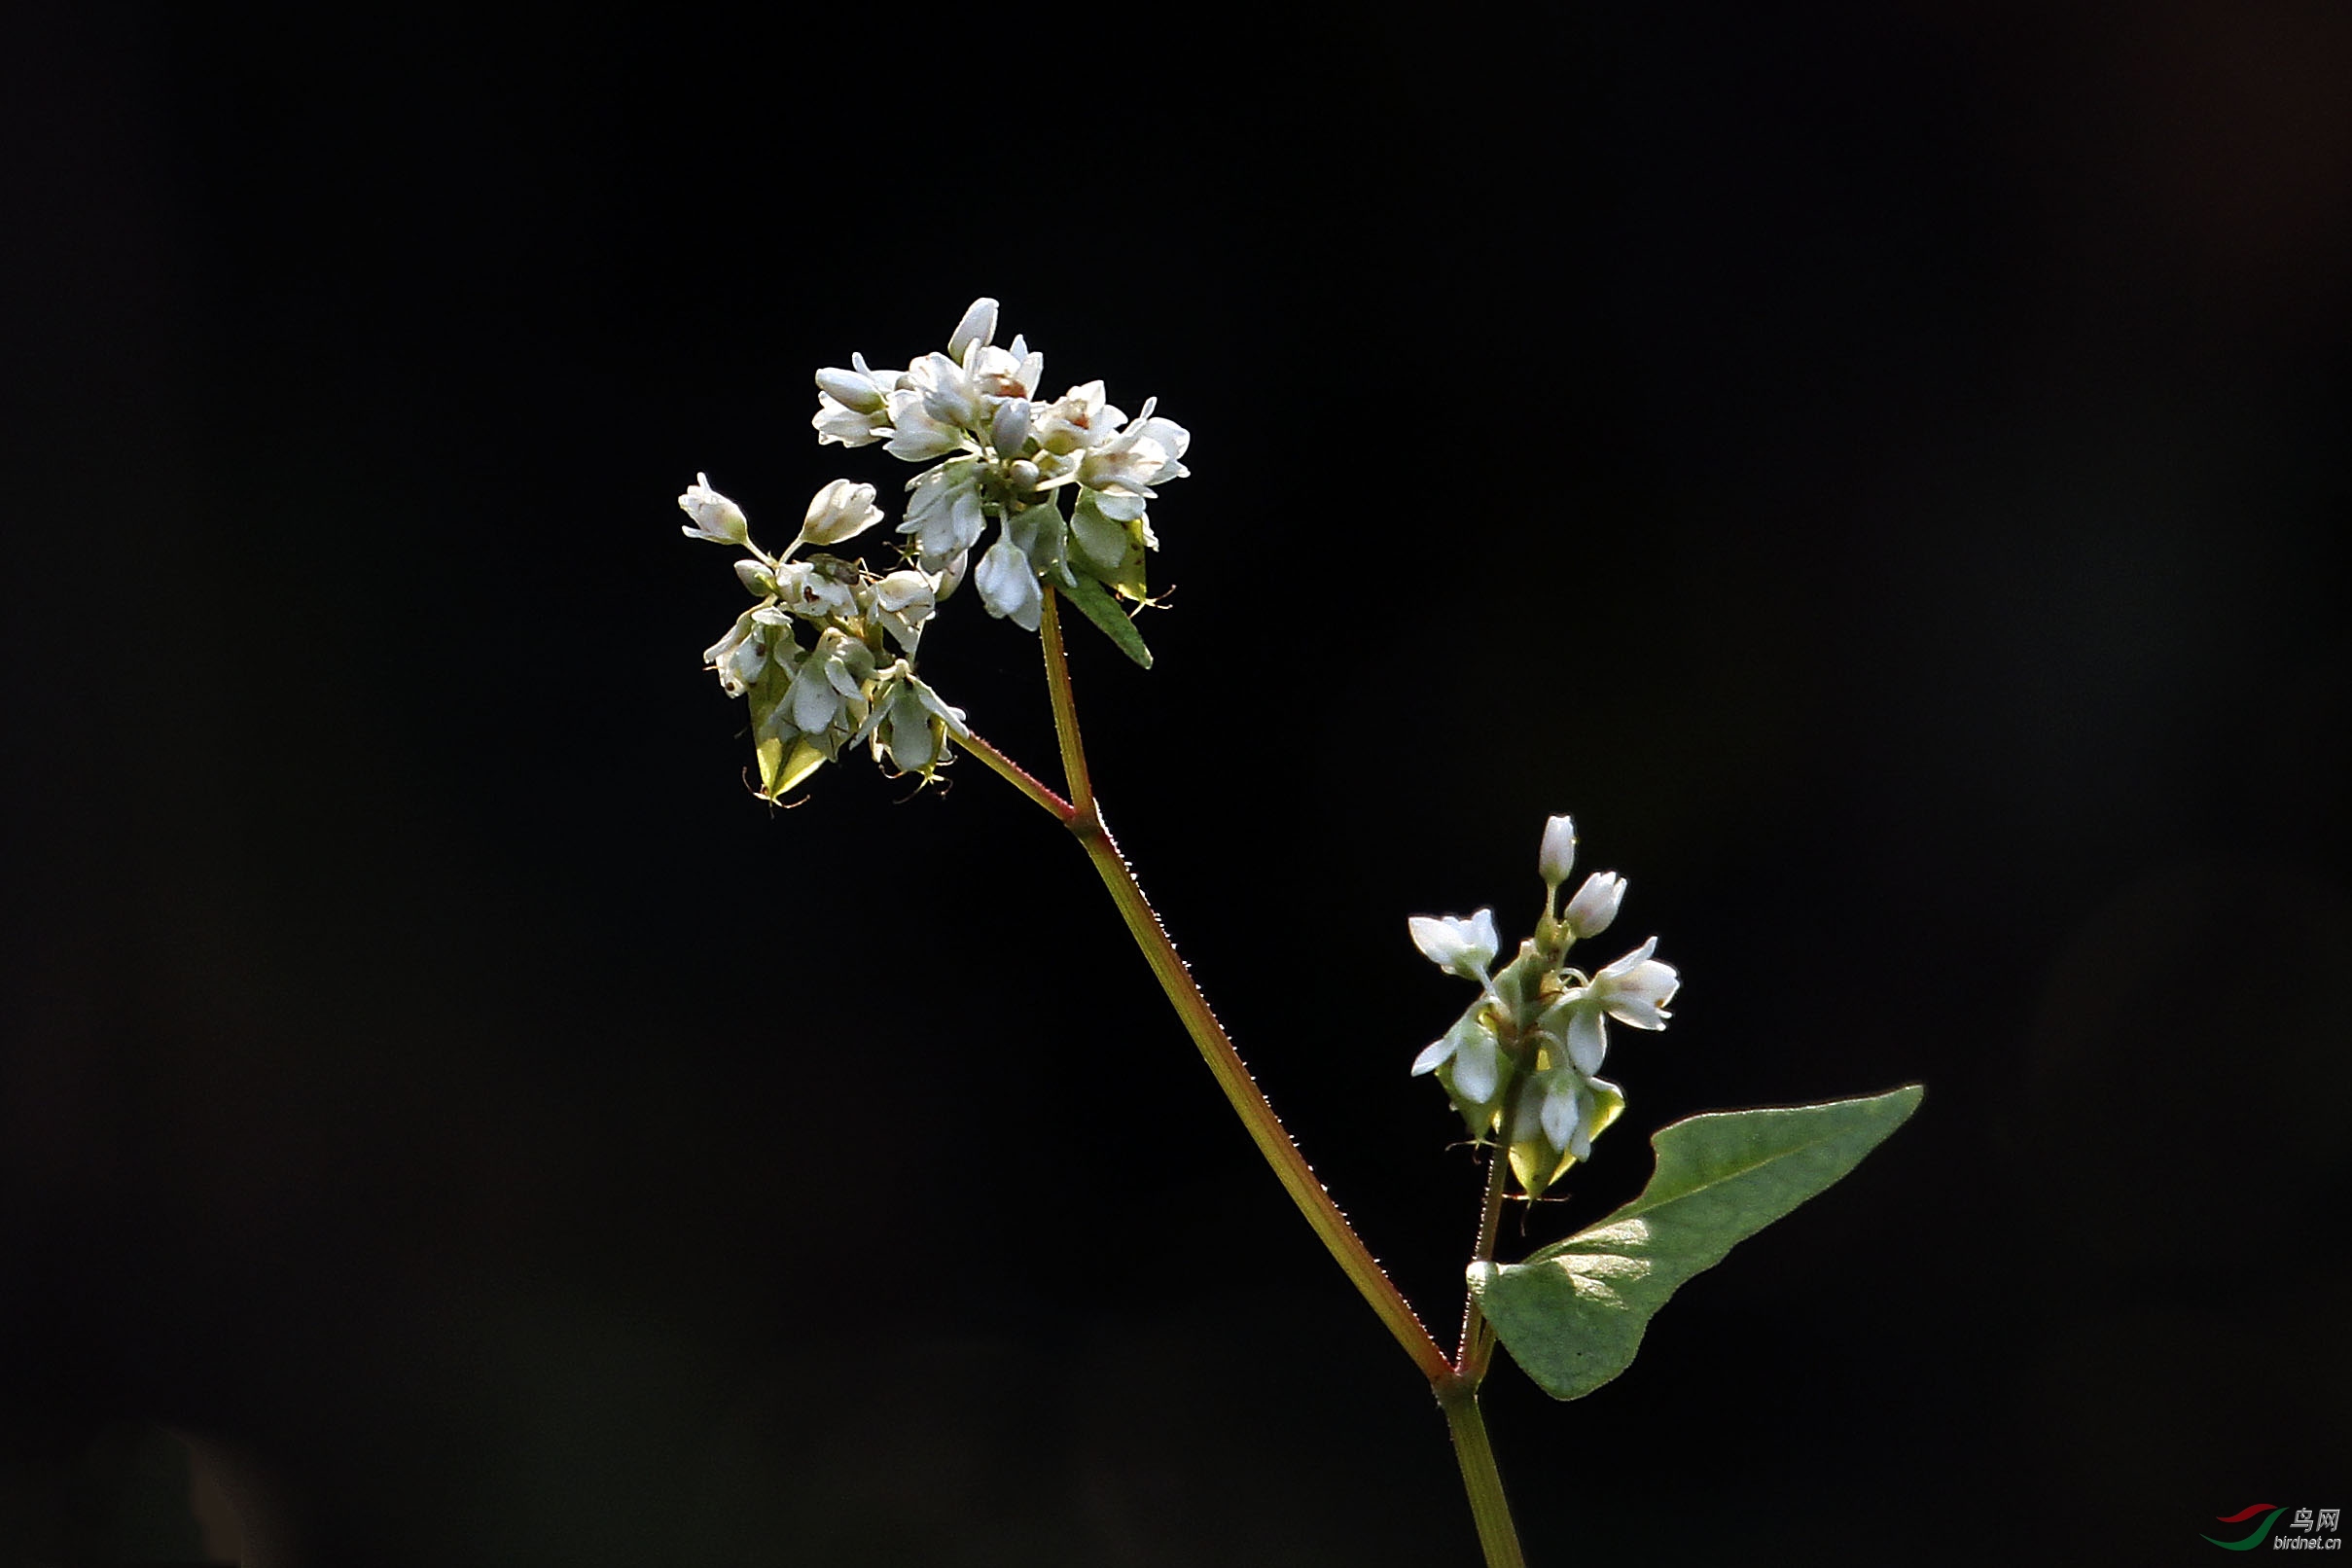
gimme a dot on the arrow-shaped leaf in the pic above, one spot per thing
(1574, 1312)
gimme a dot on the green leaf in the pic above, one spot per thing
(1574, 1312)
(1104, 611)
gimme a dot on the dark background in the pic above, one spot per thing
(1881, 466)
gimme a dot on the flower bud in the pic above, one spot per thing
(979, 326)
(852, 389)
(716, 518)
(1010, 426)
(1558, 855)
(840, 511)
(1594, 905)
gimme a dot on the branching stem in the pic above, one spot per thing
(1455, 1387)
(1020, 777)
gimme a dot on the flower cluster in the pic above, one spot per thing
(827, 657)
(1004, 453)
(1522, 1062)
(815, 656)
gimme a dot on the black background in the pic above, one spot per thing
(1882, 467)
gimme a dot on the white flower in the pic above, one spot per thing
(810, 594)
(1008, 585)
(910, 725)
(828, 686)
(740, 656)
(1122, 468)
(1079, 421)
(948, 395)
(944, 513)
(905, 734)
(853, 405)
(949, 716)
(836, 423)
(1634, 990)
(1464, 947)
(1476, 1058)
(978, 328)
(1558, 858)
(915, 435)
(840, 511)
(903, 601)
(1006, 372)
(1174, 438)
(1595, 904)
(1126, 462)
(716, 518)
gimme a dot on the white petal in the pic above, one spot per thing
(1639, 1011)
(1483, 938)
(1580, 1139)
(814, 701)
(1433, 1055)
(1587, 1039)
(1632, 960)
(1477, 1066)
(1439, 941)
(979, 326)
(1563, 1111)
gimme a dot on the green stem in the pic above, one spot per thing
(1478, 1334)
(1215, 1047)
(1456, 1387)
(1020, 777)
(1477, 1343)
(1065, 708)
(1497, 1536)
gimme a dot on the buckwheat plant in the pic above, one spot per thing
(1054, 495)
